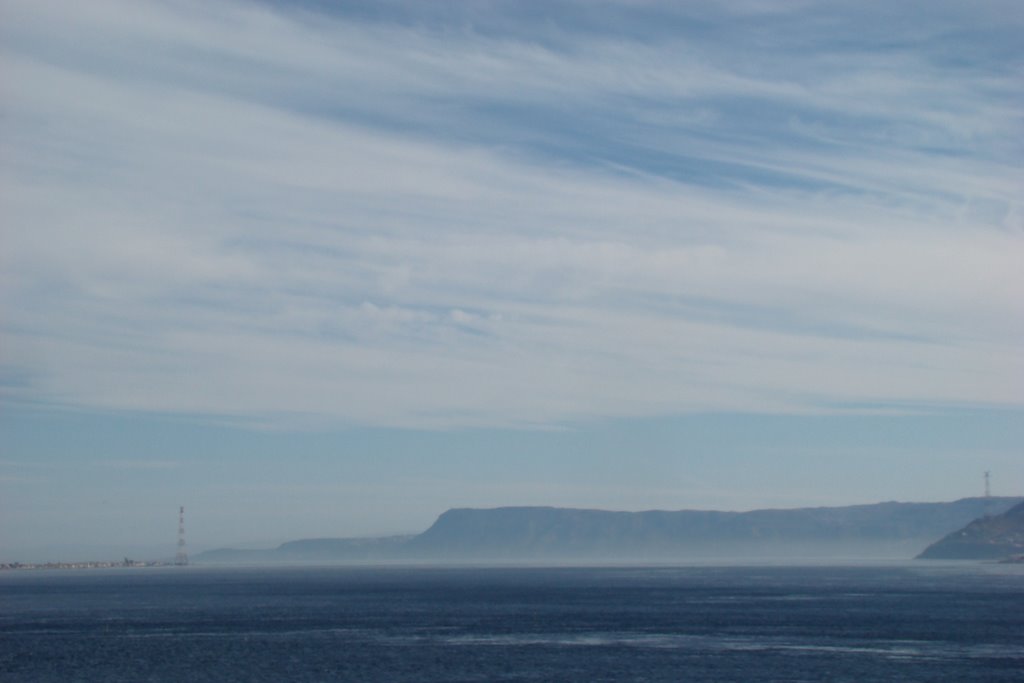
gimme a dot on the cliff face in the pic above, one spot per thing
(987, 538)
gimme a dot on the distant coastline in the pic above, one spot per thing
(885, 531)
(889, 530)
(123, 564)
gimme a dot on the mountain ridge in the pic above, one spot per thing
(888, 529)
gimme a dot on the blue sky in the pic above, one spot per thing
(312, 270)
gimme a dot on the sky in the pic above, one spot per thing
(329, 269)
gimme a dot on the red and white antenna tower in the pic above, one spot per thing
(181, 557)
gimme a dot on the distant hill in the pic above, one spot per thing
(545, 534)
(311, 550)
(988, 538)
(882, 530)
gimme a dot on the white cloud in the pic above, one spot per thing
(295, 221)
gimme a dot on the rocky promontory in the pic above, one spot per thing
(987, 538)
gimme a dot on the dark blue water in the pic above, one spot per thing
(897, 623)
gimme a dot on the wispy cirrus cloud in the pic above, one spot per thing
(138, 464)
(484, 219)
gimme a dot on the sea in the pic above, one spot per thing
(890, 622)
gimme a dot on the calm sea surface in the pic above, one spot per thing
(908, 622)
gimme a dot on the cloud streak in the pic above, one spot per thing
(297, 218)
